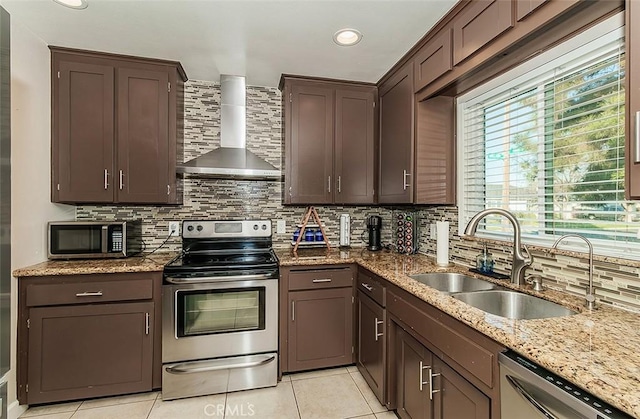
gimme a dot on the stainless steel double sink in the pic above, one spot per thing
(492, 298)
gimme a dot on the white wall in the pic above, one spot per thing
(31, 207)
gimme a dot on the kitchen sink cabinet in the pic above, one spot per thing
(116, 128)
(85, 336)
(329, 130)
(464, 362)
(371, 332)
(428, 388)
(316, 312)
(396, 144)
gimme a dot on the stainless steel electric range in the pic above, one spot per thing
(220, 310)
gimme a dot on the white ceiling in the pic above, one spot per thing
(259, 39)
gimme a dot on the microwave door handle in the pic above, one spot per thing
(105, 239)
(528, 397)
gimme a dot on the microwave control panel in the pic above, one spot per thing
(116, 240)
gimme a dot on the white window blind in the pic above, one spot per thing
(546, 142)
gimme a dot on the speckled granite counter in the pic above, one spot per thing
(151, 263)
(598, 351)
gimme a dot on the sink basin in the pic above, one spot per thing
(513, 305)
(453, 282)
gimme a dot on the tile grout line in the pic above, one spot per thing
(362, 394)
(295, 399)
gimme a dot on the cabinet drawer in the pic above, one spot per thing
(320, 278)
(83, 292)
(372, 286)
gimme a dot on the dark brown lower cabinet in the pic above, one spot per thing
(320, 328)
(87, 351)
(428, 388)
(456, 397)
(412, 391)
(372, 348)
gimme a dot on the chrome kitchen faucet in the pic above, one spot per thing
(520, 261)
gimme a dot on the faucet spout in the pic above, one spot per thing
(521, 261)
(590, 297)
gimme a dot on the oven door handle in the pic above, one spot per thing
(525, 394)
(217, 366)
(174, 280)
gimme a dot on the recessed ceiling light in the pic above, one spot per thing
(347, 37)
(73, 4)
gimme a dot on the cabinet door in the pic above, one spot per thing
(372, 344)
(396, 139)
(413, 363)
(525, 7)
(320, 328)
(83, 139)
(78, 352)
(478, 24)
(435, 181)
(354, 147)
(455, 397)
(433, 60)
(632, 175)
(143, 136)
(311, 158)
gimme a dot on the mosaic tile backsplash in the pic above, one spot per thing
(617, 281)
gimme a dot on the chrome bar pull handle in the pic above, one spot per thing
(405, 175)
(378, 334)
(329, 183)
(367, 286)
(316, 281)
(637, 139)
(121, 180)
(339, 184)
(422, 368)
(293, 311)
(146, 323)
(431, 390)
(106, 179)
(89, 294)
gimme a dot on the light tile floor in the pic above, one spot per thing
(336, 393)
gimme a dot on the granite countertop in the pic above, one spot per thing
(143, 263)
(598, 351)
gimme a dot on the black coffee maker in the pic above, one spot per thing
(374, 225)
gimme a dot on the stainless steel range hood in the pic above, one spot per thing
(232, 160)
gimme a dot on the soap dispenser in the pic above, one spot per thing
(484, 261)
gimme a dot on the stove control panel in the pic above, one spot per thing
(221, 229)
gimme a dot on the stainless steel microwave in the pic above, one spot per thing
(93, 239)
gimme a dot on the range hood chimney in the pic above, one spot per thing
(232, 160)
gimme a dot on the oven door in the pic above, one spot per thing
(216, 319)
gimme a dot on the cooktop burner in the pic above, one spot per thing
(224, 248)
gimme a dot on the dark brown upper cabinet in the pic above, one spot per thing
(433, 60)
(116, 128)
(435, 181)
(632, 91)
(396, 138)
(525, 7)
(329, 130)
(479, 24)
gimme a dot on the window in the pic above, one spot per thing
(546, 142)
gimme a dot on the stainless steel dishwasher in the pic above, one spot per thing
(529, 391)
